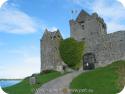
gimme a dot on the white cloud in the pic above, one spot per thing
(13, 20)
(112, 26)
(52, 29)
(111, 10)
(2, 2)
(123, 2)
(19, 70)
(24, 62)
(112, 13)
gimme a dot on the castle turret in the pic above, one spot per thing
(50, 56)
(100, 48)
(91, 29)
(83, 15)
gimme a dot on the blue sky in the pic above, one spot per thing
(22, 23)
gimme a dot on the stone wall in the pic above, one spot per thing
(50, 56)
(117, 41)
(92, 29)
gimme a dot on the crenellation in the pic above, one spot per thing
(83, 15)
(91, 29)
(50, 55)
(106, 47)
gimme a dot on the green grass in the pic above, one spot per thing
(106, 80)
(25, 88)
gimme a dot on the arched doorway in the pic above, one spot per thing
(89, 61)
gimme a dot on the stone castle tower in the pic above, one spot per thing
(101, 48)
(50, 56)
(92, 29)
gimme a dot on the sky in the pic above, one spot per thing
(22, 23)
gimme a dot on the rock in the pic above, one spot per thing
(32, 80)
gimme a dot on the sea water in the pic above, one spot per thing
(7, 83)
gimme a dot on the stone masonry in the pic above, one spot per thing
(50, 56)
(93, 31)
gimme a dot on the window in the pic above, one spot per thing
(58, 36)
(59, 68)
(56, 48)
(82, 24)
(54, 36)
(83, 38)
(91, 33)
(51, 38)
(83, 27)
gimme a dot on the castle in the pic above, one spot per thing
(50, 56)
(101, 47)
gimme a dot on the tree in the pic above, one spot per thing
(71, 52)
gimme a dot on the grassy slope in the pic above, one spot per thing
(25, 88)
(107, 80)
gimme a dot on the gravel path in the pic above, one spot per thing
(59, 85)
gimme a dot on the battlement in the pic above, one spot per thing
(84, 17)
(50, 56)
(93, 30)
(51, 35)
(104, 48)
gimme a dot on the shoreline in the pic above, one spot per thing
(9, 79)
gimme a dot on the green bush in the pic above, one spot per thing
(71, 52)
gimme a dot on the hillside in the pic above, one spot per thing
(25, 88)
(107, 80)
